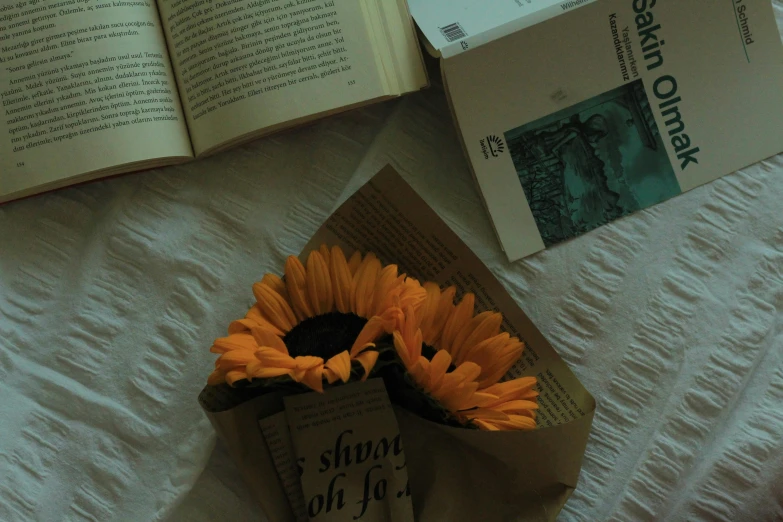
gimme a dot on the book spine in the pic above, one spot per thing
(513, 26)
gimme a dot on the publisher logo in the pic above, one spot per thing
(492, 146)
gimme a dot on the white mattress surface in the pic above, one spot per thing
(111, 293)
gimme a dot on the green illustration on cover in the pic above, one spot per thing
(594, 162)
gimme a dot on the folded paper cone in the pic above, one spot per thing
(455, 474)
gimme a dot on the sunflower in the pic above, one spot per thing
(320, 322)
(458, 359)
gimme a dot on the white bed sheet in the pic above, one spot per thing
(111, 293)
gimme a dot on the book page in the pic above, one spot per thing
(78, 77)
(348, 445)
(278, 439)
(648, 100)
(454, 26)
(249, 65)
(388, 217)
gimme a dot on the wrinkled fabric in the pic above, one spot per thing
(111, 294)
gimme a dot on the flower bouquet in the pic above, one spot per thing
(352, 390)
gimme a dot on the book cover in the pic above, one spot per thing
(612, 108)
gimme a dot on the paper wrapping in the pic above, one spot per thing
(455, 474)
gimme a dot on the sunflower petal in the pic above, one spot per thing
(372, 330)
(516, 407)
(314, 379)
(253, 318)
(412, 295)
(257, 370)
(308, 362)
(296, 284)
(404, 351)
(275, 283)
(341, 281)
(484, 326)
(467, 371)
(364, 285)
(367, 359)
(340, 364)
(513, 389)
(486, 426)
(264, 337)
(235, 376)
(387, 280)
(235, 359)
(272, 358)
(461, 315)
(504, 360)
(428, 310)
(516, 423)
(319, 284)
(438, 368)
(485, 414)
(326, 254)
(233, 342)
(460, 398)
(355, 262)
(445, 309)
(216, 377)
(275, 309)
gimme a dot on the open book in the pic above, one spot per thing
(574, 114)
(92, 88)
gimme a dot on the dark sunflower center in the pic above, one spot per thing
(429, 352)
(324, 335)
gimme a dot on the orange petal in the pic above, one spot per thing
(308, 362)
(513, 389)
(253, 318)
(516, 422)
(296, 284)
(341, 280)
(467, 371)
(428, 310)
(234, 342)
(257, 370)
(314, 379)
(410, 332)
(216, 377)
(324, 250)
(275, 309)
(319, 284)
(481, 327)
(502, 364)
(367, 359)
(235, 359)
(275, 283)
(460, 397)
(516, 407)
(486, 426)
(372, 330)
(364, 285)
(234, 376)
(355, 261)
(387, 279)
(272, 358)
(461, 315)
(341, 365)
(438, 368)
(412, 295)
(445, 309)
(408, 353)
(264, 337)
(485, 414)
(393, 319)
